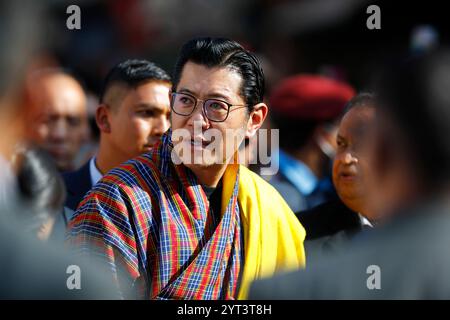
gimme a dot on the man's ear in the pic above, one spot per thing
(256, 119)
(102, 118)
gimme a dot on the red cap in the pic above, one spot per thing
(310, 97)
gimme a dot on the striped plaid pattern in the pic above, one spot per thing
(148, 219)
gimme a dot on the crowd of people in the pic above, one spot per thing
(160, 207)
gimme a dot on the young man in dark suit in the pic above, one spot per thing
(133, 114)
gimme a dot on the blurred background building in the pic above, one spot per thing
(327, 37)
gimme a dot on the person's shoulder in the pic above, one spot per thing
(137, 169)
(70, 176)
(256, 179)
(295, 199)
(264, 188)
(328, 218)
(268, 196)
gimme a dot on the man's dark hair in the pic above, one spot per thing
(133, 73)
(363, 99)
(40, 184)
(294, 133)
(416, 95)
(221, 52)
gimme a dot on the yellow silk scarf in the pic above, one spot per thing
(273, 236)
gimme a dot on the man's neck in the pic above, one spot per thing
(107, 159)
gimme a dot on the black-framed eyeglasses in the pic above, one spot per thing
(215, 110)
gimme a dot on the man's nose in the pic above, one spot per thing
(350, 158)
(198, 116)
(160, 125)
(59, 130)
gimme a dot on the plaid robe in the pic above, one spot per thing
(148, 219)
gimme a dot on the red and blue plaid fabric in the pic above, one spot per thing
(148, 219)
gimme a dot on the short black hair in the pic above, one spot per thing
(222, 52)
(132, 73)
(39, 184)
(362, 99)
(294, 133)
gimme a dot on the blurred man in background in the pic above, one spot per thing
(133, 114)
(306, 109)
(407, 256)
(330, 225)
(57, 116)
(29, 269)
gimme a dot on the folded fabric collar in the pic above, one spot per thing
(273, 236)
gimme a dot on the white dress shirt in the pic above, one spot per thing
(96, 175)
(364, 221)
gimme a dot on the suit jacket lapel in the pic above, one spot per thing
(78, 183)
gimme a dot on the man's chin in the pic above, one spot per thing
(63, 165)
(202, 161)
(197, 157)
(197, 166)
(146, 149)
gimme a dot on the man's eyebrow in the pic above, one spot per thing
(212, 95)
(220, 96)
(149, 106)
(185, 90)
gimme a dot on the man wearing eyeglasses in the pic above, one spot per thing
(186, 221)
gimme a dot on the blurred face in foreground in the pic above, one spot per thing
(351, 166)
(45, 229)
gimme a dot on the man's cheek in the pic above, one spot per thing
(176, 122)
(41, 131)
